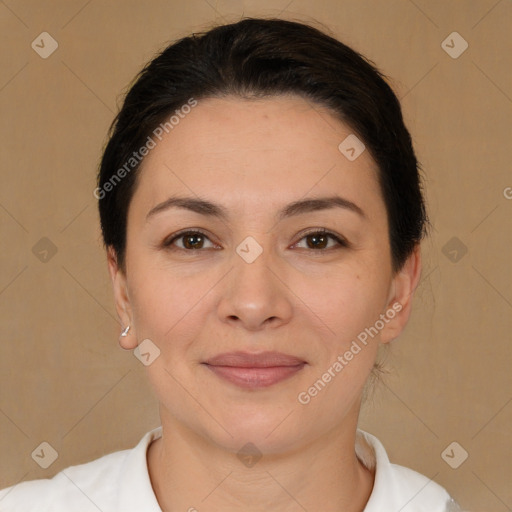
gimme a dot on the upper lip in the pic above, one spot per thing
(247, 360)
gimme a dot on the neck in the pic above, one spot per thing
(189, 473)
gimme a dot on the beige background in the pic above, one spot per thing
(64, 379)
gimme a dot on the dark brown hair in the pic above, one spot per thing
(264, 58)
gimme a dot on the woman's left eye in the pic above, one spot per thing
(319, 240)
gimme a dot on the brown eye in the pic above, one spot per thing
(319, 240)
(191, 240)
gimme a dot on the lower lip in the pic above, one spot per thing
(254, 378)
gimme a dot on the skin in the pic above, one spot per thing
(306, 299)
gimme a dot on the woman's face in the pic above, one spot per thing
(259, 277)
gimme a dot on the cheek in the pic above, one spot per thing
(160, 301)
(171, 308)
(345, 302)
(349, 304)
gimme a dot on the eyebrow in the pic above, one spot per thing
(207, 208)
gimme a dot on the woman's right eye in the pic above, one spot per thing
(191, 240)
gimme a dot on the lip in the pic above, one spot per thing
(252, 371)
(257, 360)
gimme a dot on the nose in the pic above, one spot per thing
(255, 295)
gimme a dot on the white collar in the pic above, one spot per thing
(395, 487)
(135, 490)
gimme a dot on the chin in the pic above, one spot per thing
(269, 431)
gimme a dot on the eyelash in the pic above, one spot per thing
(168, 244)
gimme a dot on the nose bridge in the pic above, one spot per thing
(253, 265)
(254, 293)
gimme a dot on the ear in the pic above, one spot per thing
(122, 300)
(402, 290)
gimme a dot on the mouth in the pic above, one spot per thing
(253, 371)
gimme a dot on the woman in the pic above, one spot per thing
(261, 208)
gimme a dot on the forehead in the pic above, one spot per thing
(257, 153)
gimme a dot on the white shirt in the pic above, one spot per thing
(119, 482)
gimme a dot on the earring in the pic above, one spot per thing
(124, 333)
